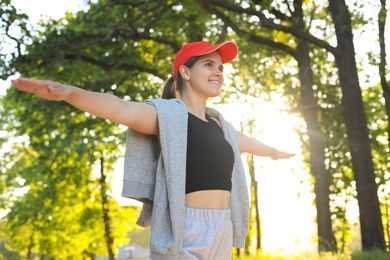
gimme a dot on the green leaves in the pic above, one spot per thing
(50, 176)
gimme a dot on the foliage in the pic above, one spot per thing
(117, 46)
(50, 181)
(54, 164)
(11, 23)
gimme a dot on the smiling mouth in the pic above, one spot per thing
(215, 82)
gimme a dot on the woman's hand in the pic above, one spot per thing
(281, 155)
(253, 146)
(47, 89)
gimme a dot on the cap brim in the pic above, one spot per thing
(228, 50)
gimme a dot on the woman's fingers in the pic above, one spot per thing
(282, 155)
(43, 88)
(30, 85)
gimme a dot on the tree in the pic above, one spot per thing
(307, 103)
(356, 125)
(376, 112)
(254, 205)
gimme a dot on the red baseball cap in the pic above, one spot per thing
(228, 51)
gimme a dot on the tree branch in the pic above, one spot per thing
(273, 26)
(249, 35)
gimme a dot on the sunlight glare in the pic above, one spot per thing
(284, 187)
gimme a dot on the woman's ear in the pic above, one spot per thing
(185, 72)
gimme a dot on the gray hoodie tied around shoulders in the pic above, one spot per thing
(155, 175)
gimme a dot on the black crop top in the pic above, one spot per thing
(210, 157)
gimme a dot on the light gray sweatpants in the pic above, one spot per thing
(208, 235)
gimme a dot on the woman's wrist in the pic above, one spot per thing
(274, 153)
(71, 93)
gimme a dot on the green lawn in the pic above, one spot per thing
(372, 255)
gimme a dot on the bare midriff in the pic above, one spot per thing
(208, 199)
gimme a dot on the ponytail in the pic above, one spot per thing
(174, 85)
(169, 90)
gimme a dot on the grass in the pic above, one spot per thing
(367, 255)
(371, 255)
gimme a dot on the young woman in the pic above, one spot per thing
(182, 158)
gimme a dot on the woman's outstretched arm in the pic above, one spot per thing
(253, 146)
(138, 116)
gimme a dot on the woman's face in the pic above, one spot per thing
(205, 76)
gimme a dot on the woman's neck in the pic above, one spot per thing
(195, 106)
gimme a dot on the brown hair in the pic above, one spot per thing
(174, 85)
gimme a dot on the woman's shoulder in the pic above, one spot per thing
(166, 102)
(169, 107)
(214, 114)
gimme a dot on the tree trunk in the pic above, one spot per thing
(106, 217)
(254, 200)
(257, 211)
(382, 16)
(387, 226)
(357, 131)
(326, 239)
(30, 246)
(254, 212)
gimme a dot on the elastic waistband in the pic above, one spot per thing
(208, 214)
